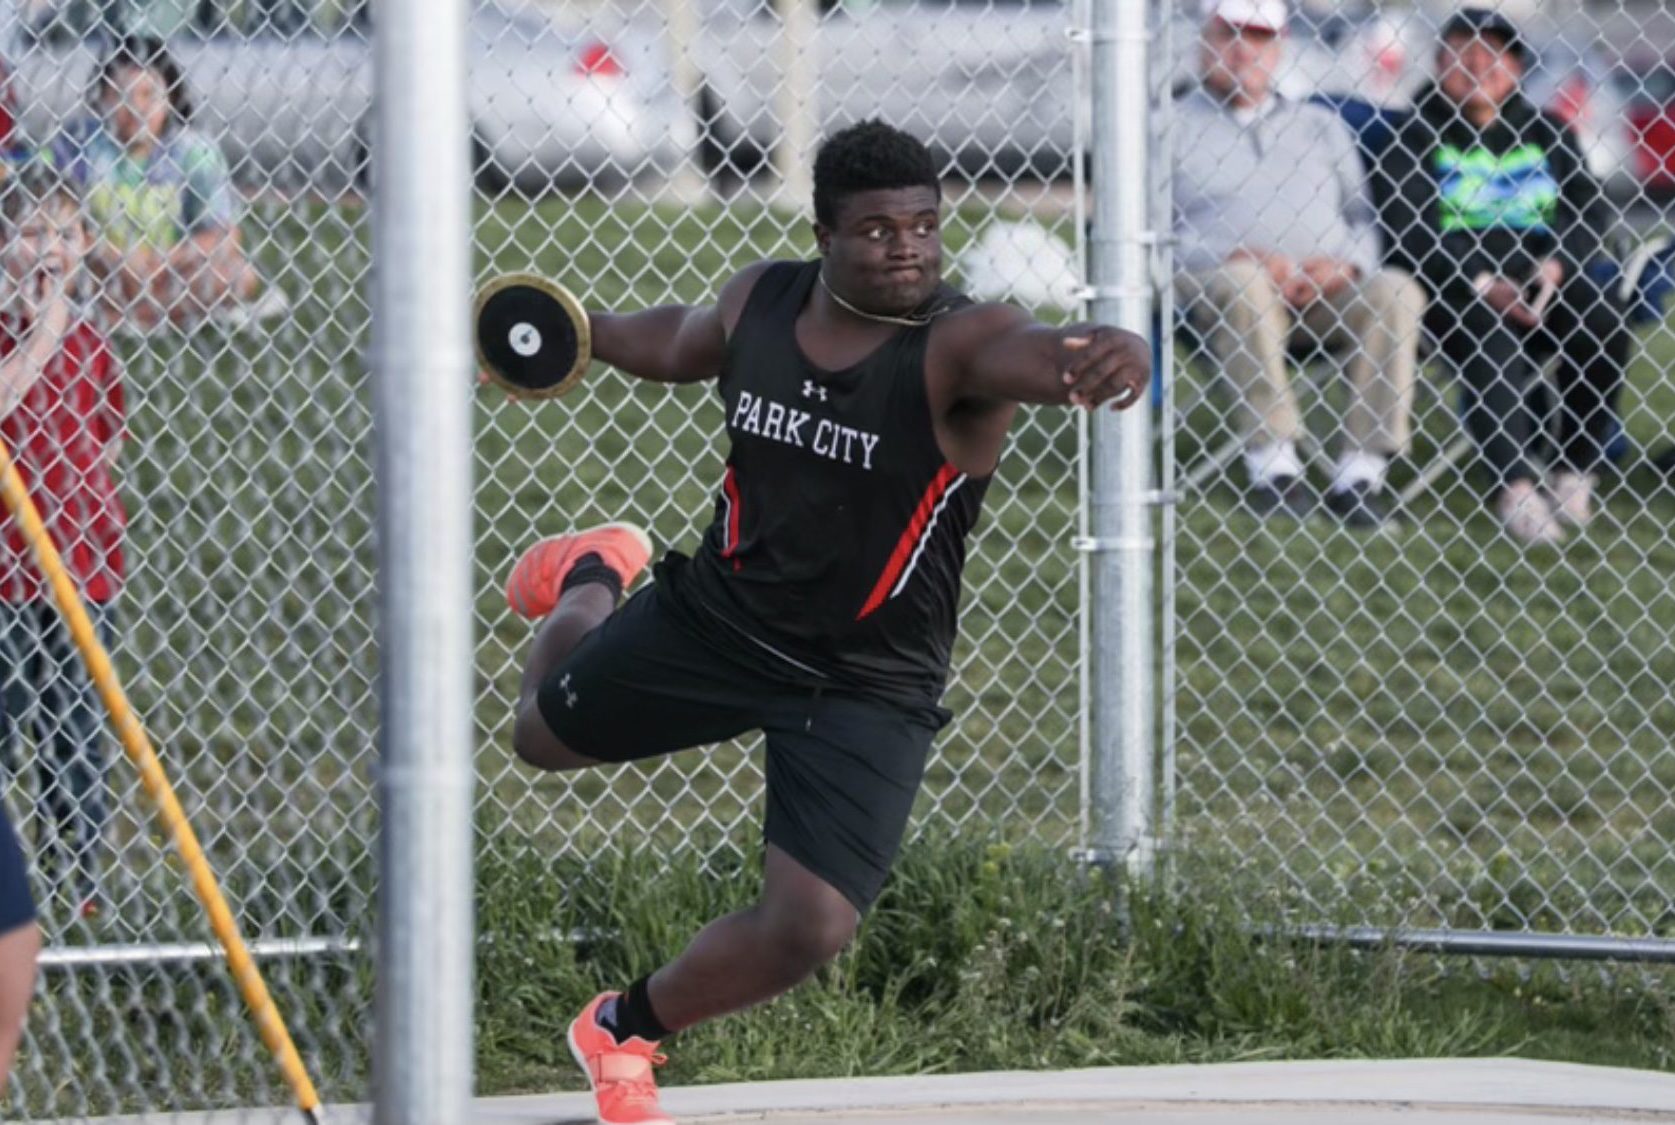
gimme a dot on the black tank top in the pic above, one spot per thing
(840, 528)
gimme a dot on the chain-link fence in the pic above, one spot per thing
(224, 278)
(1387, 697)
(1422, 633)
(639, 151)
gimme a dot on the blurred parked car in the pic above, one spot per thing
(1385, 57)
(290, 99)
(1574, 84)
(1648, 87)
(987, 83)
(8, 107)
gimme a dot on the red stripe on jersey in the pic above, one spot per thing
(945, 476)
(730, 490)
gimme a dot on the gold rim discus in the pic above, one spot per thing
(568, 305)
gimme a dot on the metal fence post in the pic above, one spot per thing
(422, 367)
(796, 105)
(1119, 777)
(686, 182)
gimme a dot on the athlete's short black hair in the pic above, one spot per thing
(870, 156)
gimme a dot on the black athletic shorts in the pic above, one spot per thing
(842, 770)
(17, 906)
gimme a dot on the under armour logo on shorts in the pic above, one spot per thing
(810, 390)
(564, 686)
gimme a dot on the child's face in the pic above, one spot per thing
(50, 241)
(136, 104)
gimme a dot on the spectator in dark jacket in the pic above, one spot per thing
(1491, 205)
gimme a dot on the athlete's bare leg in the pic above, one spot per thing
(800, 923)
(580, 610)
(536, 589)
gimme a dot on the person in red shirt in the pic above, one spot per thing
(61, 416)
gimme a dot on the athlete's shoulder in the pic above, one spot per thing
(960, 337)
(745, 280)
(735, 292)
(977, 323)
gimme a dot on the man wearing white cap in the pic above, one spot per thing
(1275, 237)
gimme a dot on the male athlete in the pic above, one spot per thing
(867, 405)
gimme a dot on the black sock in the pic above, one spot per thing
(634, 1017)
(591, 568)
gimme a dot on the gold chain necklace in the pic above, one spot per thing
(904, 321)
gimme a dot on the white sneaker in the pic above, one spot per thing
(1573, 497)
(1526, 514)
(1265, 464)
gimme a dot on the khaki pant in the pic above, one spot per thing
(1248, 326)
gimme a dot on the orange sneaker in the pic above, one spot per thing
(620, 1073)
(532, 589)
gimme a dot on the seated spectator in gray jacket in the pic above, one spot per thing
(1276, 239)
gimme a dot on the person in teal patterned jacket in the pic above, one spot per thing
(159, 194)
(1489, 202)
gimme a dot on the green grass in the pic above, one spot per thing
(987, 956)
(1437, 725)
(980, 955)
(1436, 728)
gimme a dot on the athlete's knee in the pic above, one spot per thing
(534, 742)
(812, 931)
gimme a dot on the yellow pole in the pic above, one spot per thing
(269, 1024)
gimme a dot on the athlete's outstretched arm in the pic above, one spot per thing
(667, 344)
(998, 353)
(673, 343)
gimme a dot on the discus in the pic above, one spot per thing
(532, 336)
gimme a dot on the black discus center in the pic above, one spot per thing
(528, 337)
